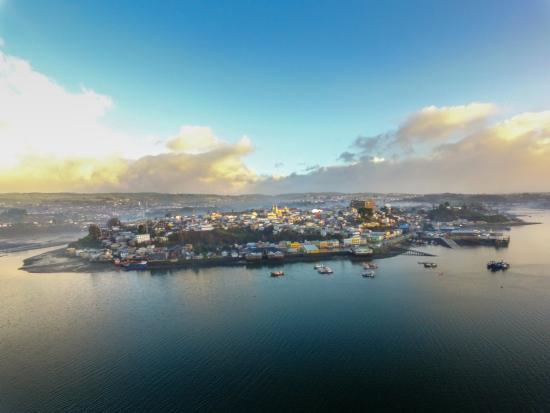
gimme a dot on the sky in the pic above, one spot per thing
(272, 97)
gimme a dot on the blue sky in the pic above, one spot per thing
(302, 79)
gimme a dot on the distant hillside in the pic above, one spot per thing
(535, 200)
(240, 202)
(190, 201)
(447, 213)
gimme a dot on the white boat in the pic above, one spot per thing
(368, 274)
(370, 266)
(325, 270)
(318, 266)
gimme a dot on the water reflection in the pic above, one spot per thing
(236, 339)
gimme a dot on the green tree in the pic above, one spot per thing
(114, 222)
(94, 232)
(365, 213)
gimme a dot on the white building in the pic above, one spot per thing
(141, 238)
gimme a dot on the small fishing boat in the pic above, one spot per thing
(430, 265)
(325, 270)
(368, 274)
(498, 266)
(370, 266)
(318, 266)
(277, 273)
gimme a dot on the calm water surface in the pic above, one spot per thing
(234, 339)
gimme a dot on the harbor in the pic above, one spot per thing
(361, 231)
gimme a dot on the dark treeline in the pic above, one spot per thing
(445, 213)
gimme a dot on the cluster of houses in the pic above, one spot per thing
(360, 228)
(339, 229)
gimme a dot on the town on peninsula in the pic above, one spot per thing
(356, 229)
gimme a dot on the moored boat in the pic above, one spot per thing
(277, 273)
(135, 266)
(368, 274)
(325, 270)
(370, 266)
(498, 266)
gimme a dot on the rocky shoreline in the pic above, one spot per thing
(57, 261)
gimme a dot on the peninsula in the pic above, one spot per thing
(364, 229)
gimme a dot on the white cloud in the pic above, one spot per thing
(56, 140)
(194, 140)
(511, 155)
(437, 123)
(218, 171)
(37, 115)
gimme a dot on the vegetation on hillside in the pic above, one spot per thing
(445, 213)
(13, 215)
(86, 242)
(92, 240)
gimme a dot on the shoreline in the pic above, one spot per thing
(31, 246)
(36, 242)
(57, 261)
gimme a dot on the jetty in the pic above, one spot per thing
(415, 253)
(448, 242)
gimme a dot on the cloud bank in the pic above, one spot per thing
(510, 155)
(56, 140)
(433, 123)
